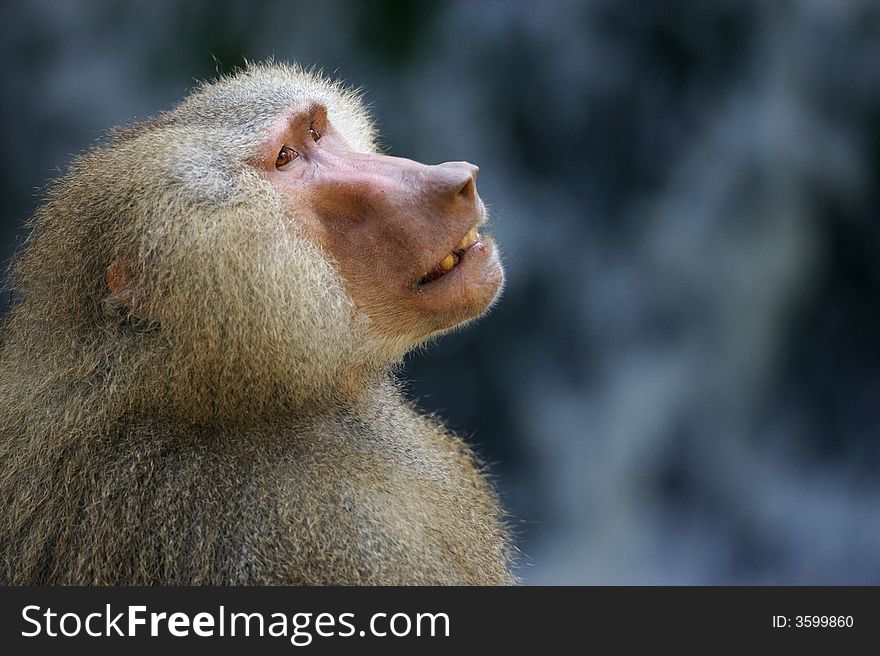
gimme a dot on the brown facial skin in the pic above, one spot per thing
(388, 222)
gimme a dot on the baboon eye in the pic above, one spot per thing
(314, 134)
(285, 157)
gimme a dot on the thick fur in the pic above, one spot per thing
(228, 417)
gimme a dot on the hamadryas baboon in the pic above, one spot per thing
(197, 370)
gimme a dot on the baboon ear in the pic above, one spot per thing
(124, 285)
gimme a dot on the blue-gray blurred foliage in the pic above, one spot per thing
(682, 381)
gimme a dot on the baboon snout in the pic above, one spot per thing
(381, 182)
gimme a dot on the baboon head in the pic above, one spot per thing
(250, 250)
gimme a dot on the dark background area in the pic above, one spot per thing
(681, 384)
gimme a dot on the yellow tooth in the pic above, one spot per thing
(469, 239)
(448, 262)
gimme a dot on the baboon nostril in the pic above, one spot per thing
(454, 180)
(468, 189)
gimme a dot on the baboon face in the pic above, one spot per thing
(405, 236)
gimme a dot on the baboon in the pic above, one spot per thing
(199, 369)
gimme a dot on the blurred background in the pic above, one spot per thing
(681, 384)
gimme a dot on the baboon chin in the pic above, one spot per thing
(197, 370)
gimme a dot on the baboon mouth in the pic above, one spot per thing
(452, 260)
